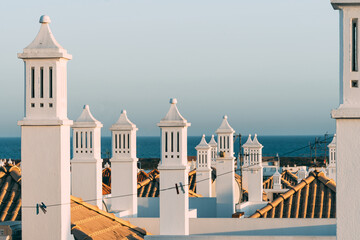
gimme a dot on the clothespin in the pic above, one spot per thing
(43, 207)
(182, 187)
(177, 188)
(37, 209)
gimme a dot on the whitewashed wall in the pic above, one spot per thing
(232, 228)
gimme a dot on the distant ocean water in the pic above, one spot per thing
(149, 147)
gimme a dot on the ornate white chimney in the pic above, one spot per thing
(253, 170)
(174, 171)
(86, 169)
(225, 170)
(45, 138)
(203, 168)
(124, 167)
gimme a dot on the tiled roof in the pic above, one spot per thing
(192, 179)
(89, 222)
(10, 193)
(288, 180)
(106, 189)
(141, 176)
(150, 186)
(154, 172)
(106, 176)
(313, 197)
(148, 183)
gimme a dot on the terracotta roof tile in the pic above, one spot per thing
(10, 193)
(150, 186)
(106, 176)
(105, 189)
(142, 176)
(89, 222)
(313, 197)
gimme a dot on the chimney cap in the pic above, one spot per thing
(173, 100)
(45, 19)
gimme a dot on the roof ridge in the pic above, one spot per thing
(294, 189)
(17, 171)
(328, 182)
(109, 215)
(149, 179)
(267, 180)
(191, 192)
(192, 172)
(286, 182)
(290, 173)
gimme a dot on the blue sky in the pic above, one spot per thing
(271, 66)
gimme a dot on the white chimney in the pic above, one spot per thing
(174, 171)
(225, 170)
(277, 180)
(253, 170)
(245, 176)
(213, 145)
(301, 174)
(86, 165)
(124, 167)
(331, 165)
(203, 168)
(45, 138)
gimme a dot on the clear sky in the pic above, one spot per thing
(271, 66)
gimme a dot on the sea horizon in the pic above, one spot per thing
(149, 146)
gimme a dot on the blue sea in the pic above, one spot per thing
(149, 147)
